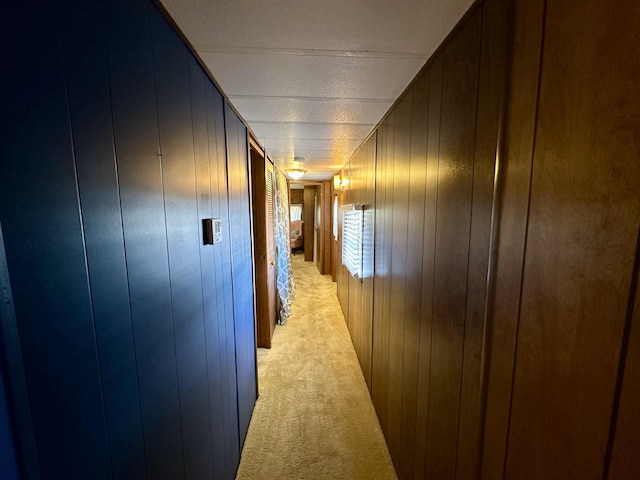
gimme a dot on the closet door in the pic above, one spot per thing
(264, 245)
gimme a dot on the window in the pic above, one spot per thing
(352, 226)
(295, 212)
(335, 217)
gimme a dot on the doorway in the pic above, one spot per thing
(262, 190)
(317, 215)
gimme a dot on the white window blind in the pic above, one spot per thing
(335, 217)
(352, 226)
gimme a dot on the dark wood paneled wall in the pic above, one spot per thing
(342, 274)
(624, 437)
(429, 173)
(309, 214)
(359, 293)
(323, 261)
(504, 337)
(115, 144)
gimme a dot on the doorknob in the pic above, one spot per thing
(272, 262)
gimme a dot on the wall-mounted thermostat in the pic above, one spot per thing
(212, 231)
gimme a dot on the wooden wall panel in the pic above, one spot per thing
(413, 276)
(327, 227)
(228, 416)
(139, 170)
(385, 324)
(91, 122)
(116, 148)
(342, 275)
(360, 292)
(378, 365)
(309, 223)
(368, 200)
(19, 452)
(455, 183)
(45, 250)
(214, 362)
(297, 195)
(383, 236)
(514, 179)
(428, 262)
(398, 229)
(241, 267)
(319, 257)
(490, 100)
(353, 286)
(8, 459)
(171, 64)
(324, 228)
(527, 348)
(582, 234)
(625, 435)
(433, 190)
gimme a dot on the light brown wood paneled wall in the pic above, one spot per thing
(297, 195)
(504, 337)
(564, 347)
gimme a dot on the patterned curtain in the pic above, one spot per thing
(286, 287)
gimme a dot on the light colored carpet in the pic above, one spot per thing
(314, 418)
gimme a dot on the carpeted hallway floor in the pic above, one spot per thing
(314, 418)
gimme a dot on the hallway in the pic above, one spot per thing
(314, 418)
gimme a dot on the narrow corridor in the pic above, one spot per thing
(314, 418)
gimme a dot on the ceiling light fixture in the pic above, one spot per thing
(295, 173)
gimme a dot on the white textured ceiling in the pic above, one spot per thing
(312, 78)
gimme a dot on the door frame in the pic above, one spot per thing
(264, 316)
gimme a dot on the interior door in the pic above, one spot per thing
(271, 245)
(262, 184)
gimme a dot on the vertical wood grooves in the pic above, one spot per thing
(13, 376)
(433, 239)
(134, 316)
(422, 145)
(494, 229)
(166, 233)
(86, 261)
(633, 288)
(582, 144)
(470, 238)
(526, 230)
(114, 152)
(372, 173)
(198, 216)
(546, 346)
